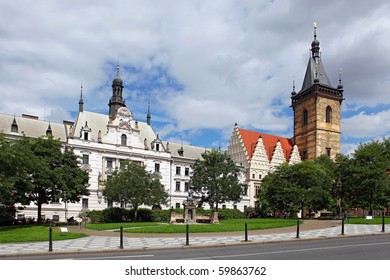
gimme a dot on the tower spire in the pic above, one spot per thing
(315, 45)
(81, 101)
(116, 100)
(148, 117)
(340, 86)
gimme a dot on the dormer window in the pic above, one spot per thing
(85, 132)
(157, 147)
(14, 126)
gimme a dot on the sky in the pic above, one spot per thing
(202, 65)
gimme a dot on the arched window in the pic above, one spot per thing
(328, 114)
(305, 117)
(123, 140)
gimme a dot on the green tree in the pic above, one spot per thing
(73, 180)
(135, 186)
(280, 191)
(215, 178)
(305, 185)
(368, 186)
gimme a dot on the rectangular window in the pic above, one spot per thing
(109, 163)
(187, 171)
(257, 189)
(259, 176)
(56, 218)
(157, 147)
(328, 151)
(157, 167)
(178, 169)
(186, 186)
(177, 205)
(85, 135)
(235, 206)
(177, 186)
(223, 206)
(122, 164)
(85, 159)
(245, 190)
(84, 203)
(253, 176)
(109, 203)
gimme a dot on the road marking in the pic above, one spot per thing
(291, 251)
(117, 257)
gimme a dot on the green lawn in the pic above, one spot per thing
(12, 234)
(223, 226)
(362, 220)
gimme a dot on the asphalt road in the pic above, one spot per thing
(375, 247)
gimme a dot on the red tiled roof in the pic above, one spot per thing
(250, 139)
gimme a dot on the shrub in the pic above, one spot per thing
(230, 214)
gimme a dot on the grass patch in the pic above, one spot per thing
(33, 233)
(364, 221)
(223, 226)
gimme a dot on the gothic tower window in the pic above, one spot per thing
(123, 140)
(305, 117)
(328, 114)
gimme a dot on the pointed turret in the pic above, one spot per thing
(148, 117)
(81, 101)
(116, 100)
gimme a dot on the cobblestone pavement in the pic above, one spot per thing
(107, 241)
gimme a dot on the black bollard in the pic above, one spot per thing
(342, 226)
(50, 239)
(297, 228)
(383, 221)
(121, 238)
(187, 236)
(246, 232)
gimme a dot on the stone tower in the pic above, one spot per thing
(317, 128)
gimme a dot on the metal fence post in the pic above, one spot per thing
(187, 236)
(121, 238)
(246, 232)
(383, 221)
(342, 226)
(297, 228)
(50, 239)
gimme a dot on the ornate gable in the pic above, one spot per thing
(259, 158)
(278, 156)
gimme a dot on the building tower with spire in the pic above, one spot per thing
(317, 118)
(116, 100)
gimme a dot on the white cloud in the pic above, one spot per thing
(365, 125)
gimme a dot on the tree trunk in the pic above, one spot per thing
(39, 220)
(135, 214)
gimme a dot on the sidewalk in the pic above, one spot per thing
(109, 241)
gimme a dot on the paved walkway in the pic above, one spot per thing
(108, 241)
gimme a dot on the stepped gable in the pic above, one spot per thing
(250, 139)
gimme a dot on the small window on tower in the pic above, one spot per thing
(305, 117)
(85, 135)
(328, 114)
(328, 152)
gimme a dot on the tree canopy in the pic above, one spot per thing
(36, 170)
(366, 184)
(291, 188)
(134, 186)
(215, 179)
